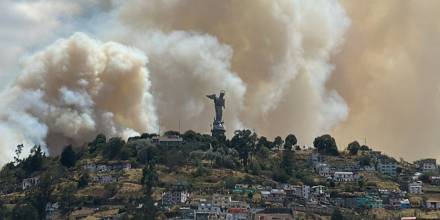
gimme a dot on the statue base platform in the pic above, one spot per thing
(218, 131)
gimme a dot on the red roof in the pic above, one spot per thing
(237, 210)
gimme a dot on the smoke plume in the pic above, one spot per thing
(388, 73)
(74, 89)
(355, 69)
(281, 51)
(271, 57)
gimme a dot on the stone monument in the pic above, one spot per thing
(218, 130)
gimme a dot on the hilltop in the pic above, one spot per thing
(176, 175)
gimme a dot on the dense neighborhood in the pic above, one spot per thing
(195, 176)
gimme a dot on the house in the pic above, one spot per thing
(171, 198)
(237, 204)
(170, 140)
(426, 165)
(318, 190)
(387, 167)
(433, 204)
(30, 182)
(276, 196)
(243, 188)
(220, 200)
(368, 168)
(343, 177)
(265, 195)
(274, 214)
(208, 211)
(316, 158)
(415, 187)
(405, 204)
(338, 202)
(297, 192)
(52, 210)
(324, 169)
(102, 168)
(176, 195)
(435, 180)
(371, 202)
(186, 213)
(237, 214)
(121, 166)
(104, 179)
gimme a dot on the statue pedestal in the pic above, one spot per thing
(218, 131)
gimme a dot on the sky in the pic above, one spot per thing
(363, 71)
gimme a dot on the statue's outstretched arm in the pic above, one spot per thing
(211, 96)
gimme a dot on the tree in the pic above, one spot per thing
(149, 180)
(190, 136)
(364, 148)
(289, 142)
(34, 162)
(287, 162)
(172, 133)
(3, 212)
(263, 142)
(83, 180)
(326, 144)
(365, 161)
(113, 147)
(337, 215)
(278, 142)
(98, 143)
(18, 153)
(68, 157)
(353, 147)
(244, 142)
(24, 212)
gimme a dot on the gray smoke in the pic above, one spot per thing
(74, 89)
(271, 57)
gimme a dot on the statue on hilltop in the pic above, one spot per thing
(219, 104)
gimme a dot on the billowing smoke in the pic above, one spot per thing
(388, 72)
(271, 57)
(281, 51)
(74, 89)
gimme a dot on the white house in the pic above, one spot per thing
(343, 177)
(323, 169)
(426, 165)
(415, 187)
(432, 204)
(208, 211)
(297, 192)
(174, 197)
(276, 196)
(30, 182)
(318, 190)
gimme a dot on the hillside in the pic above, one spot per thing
(152, 177)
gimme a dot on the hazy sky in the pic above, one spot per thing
(355, 69)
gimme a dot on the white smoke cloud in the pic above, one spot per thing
(74, 89)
